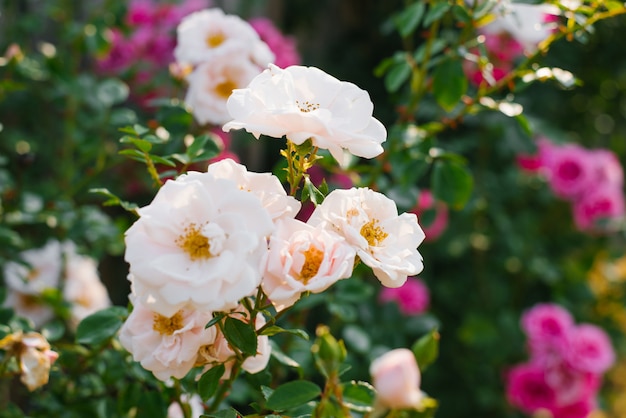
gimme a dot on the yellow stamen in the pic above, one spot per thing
(167, 326)
(373, 233)
(194, 243)
(225, 89)
(313, 258)
(306, 107)
(215, 39)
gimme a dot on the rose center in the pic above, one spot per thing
(225, 89)
(306, 106)
(313, 258)
(215, 39)
(202, 242)
(167, 326)
(32, 274)
(373, 233)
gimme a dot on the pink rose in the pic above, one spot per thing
(590, 349)
(396, 378)
(570, 170)
(435, 211)
(547, 326)
(580, 409)
(571, 384)
(412, 297)
(527, 389)
(302, 258)
(602, 203)
(608, 169)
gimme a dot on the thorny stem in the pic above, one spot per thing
(152, 170)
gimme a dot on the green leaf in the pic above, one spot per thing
(313, 192)
(461, 14)
(426, 349)
(408, 20)
(134, 154)
(217, 317)
(358, 396)
(436, 12)
(114, 200)
(274, 329)
(208, 383)
(100, 326)
(449, 84)
(241, 335)
(283, 358)
(292, 394)
(397, 75)
(452, 183)
(225, 413)
(53, 330)
(162, 160)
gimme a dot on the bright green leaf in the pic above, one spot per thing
(358, 396)
(426, 349)
(397, 75)
(100, 326)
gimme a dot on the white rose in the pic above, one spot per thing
(198, 244)
(264, 186)
(304, 102)
(369, 221)
(210, 35)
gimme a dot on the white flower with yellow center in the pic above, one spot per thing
(210, 35)
(304, 102)
(211, 84)
(166, 345)
(265, 186)
(198, 244)
(303, 258)
(369, 221)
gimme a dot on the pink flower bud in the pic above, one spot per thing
(396, 378)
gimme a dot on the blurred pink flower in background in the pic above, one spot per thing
(591, 179)
(412, 297)
(427, 204)
(564, 372)
(283, 47)
(396, 378)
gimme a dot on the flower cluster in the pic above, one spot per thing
(566, 364)
(219, 53)
(209, 240)
(148, 45)
(55, 267)
(591, 179)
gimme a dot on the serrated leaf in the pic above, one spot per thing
(408, 20)
(240, 335)
(292, 394)
(449, 84)
(208, 383)
(100, 326)
(452, 183)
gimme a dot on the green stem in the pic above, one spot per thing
(152, 170)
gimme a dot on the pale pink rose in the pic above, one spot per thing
(302, 258)
(198, 244)
(426, 203)
(396, 378)
(412, 297)
(369, 222)
(166, 346)
(283, 47)
(211, 84)
(527, 389)
(220, 351)
(590, 349)
(570, 170)
(547, 326)
(83, 287)
(596, 208)
(26, 283)
(195, 403)
(306, 103)
(211, 36)
(265, 186)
